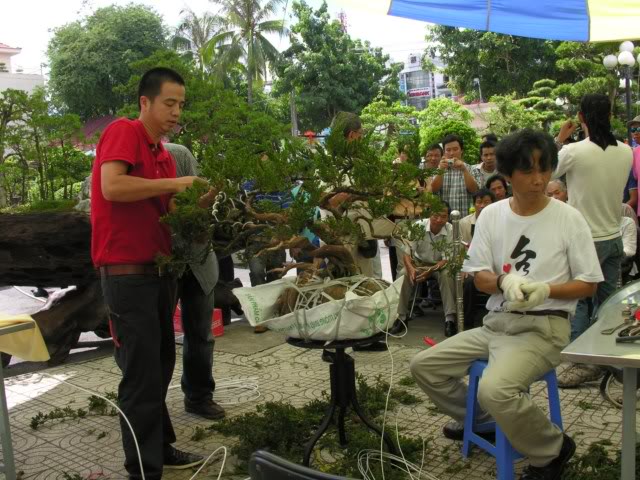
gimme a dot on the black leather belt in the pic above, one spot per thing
(541, 313)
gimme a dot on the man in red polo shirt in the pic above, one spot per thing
(132, 184)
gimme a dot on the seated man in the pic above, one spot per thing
(482, 198)
(535, 273)
(473, 299)
(423, 253)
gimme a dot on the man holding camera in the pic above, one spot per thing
(456, 185)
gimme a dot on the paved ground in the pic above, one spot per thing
(91, 446)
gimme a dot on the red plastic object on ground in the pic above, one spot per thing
(429, 341)
(217, 327)
(177, 320)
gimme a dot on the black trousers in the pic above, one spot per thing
(473, 302)
(226, 274)
(197, 351)
(141, 311)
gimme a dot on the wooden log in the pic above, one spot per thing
(48, 249)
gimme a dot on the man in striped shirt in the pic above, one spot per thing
(456, 185)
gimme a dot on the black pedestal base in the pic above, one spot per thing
(343, 396)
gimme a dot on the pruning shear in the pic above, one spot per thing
(629, 334)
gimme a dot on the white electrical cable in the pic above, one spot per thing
(366, 455)
(229, 391)
(135, 440)
(29, 295)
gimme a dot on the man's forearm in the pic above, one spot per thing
(128, 188)
(572, 290)
(436, 184)
(486, 282)
(469, 181)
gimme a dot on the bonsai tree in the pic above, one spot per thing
(352, 182)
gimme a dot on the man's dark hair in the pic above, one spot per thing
(486, 144)
(495, 177)
(151, 82)
(452, 138)
(485, 192)
(434, 146)
(490, 137)
(347, 122)
(515, 152)
(596, 110)
(445, 204)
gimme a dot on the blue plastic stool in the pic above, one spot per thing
(502, 450)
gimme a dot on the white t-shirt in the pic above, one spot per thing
(552, 246)
(595, 182)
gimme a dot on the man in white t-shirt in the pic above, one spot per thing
(597, 169)
(535, 273)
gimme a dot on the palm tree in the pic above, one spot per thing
(244, 37)
(194, 33)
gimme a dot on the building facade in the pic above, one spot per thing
(15, 78)
(419, 85)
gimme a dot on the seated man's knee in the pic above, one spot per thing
(421, 364)
(492, 393)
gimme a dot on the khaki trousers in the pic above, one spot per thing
(520, 349)
(446, 285)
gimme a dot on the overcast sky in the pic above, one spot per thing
(29, 23)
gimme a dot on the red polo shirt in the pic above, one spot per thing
(129, 232)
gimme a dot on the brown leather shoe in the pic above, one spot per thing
(260, 329)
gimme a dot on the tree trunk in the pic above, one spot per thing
(3, 193)
(61, 322)
(46, 249)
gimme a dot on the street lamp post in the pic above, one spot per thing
(626, 61)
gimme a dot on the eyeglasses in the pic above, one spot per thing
(635, 129)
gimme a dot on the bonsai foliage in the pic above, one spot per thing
(352, 182)
(393, 127)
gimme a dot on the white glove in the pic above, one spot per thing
(511, 287)
(536, 294)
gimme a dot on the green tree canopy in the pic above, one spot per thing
(243, 38)
(329, 71)
(503, 63)
(193, 34)
(90, 56)
(510, 115)
(434, 133)
(441, 109)
(43, 140)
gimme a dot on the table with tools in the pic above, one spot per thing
(613, 340)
